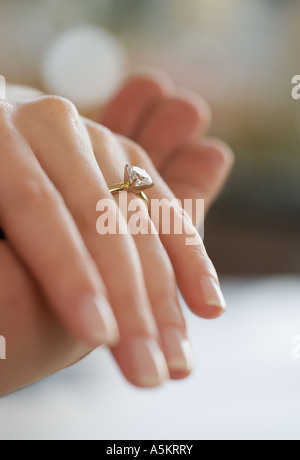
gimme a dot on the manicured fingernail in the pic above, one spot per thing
(212, 293)
(149, 364)
(178, 350)
(99, 322)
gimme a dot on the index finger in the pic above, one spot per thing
(40, 228)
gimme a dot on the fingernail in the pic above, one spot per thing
(178, 350)
(212, 293)
(98, 320)
(149, 364)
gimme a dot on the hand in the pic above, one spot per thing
(66, 111)
(171, 125)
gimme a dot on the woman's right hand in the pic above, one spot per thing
(55, 167)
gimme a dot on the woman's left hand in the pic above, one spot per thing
(48, 347)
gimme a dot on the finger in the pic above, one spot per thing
(127, 110)
(158, 274)
(41, 230)
(199, 170)
(116, 257)
(195, 273)
(161, 287)
(172, 123)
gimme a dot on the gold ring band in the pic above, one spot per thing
(136, 180)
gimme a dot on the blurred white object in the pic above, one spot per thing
(85, 65)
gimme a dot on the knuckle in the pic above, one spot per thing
(56, 107)
(136, 154)
(103, 137)
(139, 155)
(99, 131)
(109, 139)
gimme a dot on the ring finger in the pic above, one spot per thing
(157, 268)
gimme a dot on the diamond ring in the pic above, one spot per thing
(136, 180)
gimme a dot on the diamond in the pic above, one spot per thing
(142, 178)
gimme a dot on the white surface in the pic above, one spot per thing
(247, 386)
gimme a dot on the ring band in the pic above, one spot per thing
(136, 180)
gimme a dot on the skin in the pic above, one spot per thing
(58, 259)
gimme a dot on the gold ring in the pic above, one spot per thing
(136, 180)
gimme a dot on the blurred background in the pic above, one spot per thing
(240, 55)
